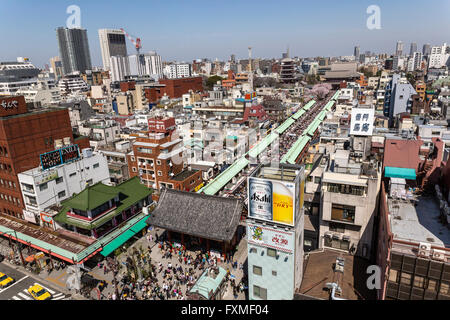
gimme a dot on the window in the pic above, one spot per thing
(59, 180)
(96, 165)
(274, 273)
(72, 174)
(418, 281)
(158, 162)
(257, 270)
(133, 159)
(317, 179)
(343, 213)
(337, 227)
(159, 173)
(253, 250)
(271, 252)
(393, 275)
(61, 194)
(431, 285)
(444, 288)
(133, 169)
(89, 182)
(405, 278)
(260, 292)
(43, 186)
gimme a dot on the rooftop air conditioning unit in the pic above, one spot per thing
(438, 255)
(424, 249)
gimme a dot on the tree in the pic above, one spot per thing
(211, 81)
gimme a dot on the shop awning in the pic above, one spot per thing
(124, 237)
(405, 173)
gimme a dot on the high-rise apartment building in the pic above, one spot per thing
(153, 64)
(439, 56)
(56, 65)
(426, 49)
(399, 48)
(137, 64)
(119, 68)
(356, 53)
(413, 48)
(73, 49)
(112, 43)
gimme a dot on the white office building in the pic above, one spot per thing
(439, 56)
(178, 70)
(42, 189)
(112, 43)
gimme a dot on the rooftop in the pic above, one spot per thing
(319, 271)
(183, 175)
(420, 223)
(196, 214)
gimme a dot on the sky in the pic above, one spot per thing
(184, 30)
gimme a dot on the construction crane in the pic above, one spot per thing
(136, 43)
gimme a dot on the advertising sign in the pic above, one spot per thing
(29, 216)
(46, 176)
(362, 121)
(272, 200)
(70, 153)
(50, 159)
(271, 238)
(46, 218)
(55, 158)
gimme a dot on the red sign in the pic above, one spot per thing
(12, 105)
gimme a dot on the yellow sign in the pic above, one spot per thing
(199, 187)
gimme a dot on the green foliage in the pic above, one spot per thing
(211, 81)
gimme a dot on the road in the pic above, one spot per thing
(18, 290)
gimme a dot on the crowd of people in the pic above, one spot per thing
(171, 278)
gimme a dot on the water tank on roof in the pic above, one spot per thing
(87, 152)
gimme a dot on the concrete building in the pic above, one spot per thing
(43, 189)
(72, 84)
(15, 75)
(349, 198)
(439, 57)
(398, 97)
(119, 68)
(178, 70)
(158, 159)
(399, 48)
(56, 67)
(112, 43)
(153, 65)
(73, 49)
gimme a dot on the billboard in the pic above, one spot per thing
(362, 121)
(271, 238)
(272, 200)
(46, 176)
(55, 158)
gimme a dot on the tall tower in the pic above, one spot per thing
(73, 49)
(399, 48)
(250, 59)
(413, 48)
(112, 43)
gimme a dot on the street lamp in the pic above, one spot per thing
(18, 245)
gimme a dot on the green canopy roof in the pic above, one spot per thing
(92, 197)
(405, 173)
(130, 192)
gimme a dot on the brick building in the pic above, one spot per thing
(158, 158)
(24, 135)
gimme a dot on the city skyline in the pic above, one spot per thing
(186, 31)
